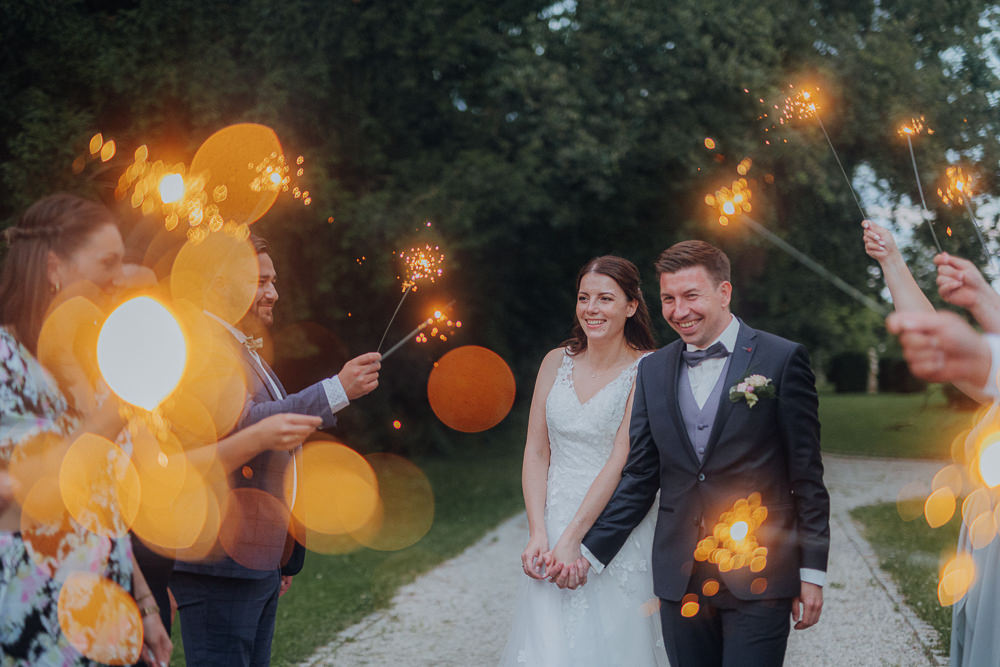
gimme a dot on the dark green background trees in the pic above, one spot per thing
(534, 135)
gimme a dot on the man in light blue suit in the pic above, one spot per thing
(228, 608)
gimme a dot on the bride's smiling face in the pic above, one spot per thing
(602, 307)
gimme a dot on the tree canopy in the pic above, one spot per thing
(534, 135)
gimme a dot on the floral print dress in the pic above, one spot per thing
(37, 560)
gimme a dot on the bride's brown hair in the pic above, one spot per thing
(638, 328)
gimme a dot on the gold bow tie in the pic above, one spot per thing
(253, 344)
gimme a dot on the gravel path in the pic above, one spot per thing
(460, 612)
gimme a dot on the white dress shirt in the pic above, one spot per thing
(704, 376)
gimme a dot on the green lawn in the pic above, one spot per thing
(891, 425)
(911, 552)
(474, 488)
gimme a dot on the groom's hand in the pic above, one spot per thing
(807, 606)
(571, 575)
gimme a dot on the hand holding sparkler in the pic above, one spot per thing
(359, 376)
(961, 284)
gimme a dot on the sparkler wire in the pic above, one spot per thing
(423, 325)
(836, 157)
(920, 189)
(818, 268)
(393, 318)
(979, 235)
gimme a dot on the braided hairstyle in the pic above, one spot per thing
(59, 223)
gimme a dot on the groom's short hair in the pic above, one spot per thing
(686, 254)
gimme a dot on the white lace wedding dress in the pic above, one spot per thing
(613, 619)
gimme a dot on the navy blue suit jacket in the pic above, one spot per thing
(772, 448)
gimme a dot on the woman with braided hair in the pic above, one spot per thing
(61, 242)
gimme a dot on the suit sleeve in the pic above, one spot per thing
(637, 488)
(798, 418)
(310, 401)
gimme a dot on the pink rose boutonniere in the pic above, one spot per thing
(751, 389)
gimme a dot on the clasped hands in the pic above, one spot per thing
(564, 565)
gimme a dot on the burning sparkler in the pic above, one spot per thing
(909, 129)
(425, 263)
(730, 202)
(439, 316)
(805, 105)
(957, 190)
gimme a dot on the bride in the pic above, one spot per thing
(575, 450)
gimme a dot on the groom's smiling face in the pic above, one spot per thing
(694, 305)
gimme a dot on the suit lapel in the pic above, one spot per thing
(672, 379)
(738, 365)
(258, 369)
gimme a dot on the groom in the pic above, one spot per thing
(704, 445)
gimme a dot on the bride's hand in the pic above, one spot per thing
(879, 243)
(533, 560)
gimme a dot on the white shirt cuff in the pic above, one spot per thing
(992, 389)
(335, 394)
(811, 576)
(596, 565)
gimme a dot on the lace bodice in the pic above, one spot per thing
(581, 437)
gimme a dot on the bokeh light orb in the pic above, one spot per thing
(405, 510)
(141, 352)
(171, 188)
(989, 461)
(739, 530)
(229, 158)
(99, 486)
(471, 389)
(100, 619)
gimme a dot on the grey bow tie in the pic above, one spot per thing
(694, 357)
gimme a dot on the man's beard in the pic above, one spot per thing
(252, 324)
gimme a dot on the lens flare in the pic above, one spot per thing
(171, 188)
(989, 461)
(955, 579)
(100, 619)
(471, 389)
(733, 543)
(99, 486)
(406, 509)
(731, 201)
(141, 352)
(939, 507)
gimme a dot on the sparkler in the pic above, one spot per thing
(916, 126)
(958, 191)
(734, 201)
(438, 316)
(421, 264)
(804, 105)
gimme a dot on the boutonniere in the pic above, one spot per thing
(751, 389)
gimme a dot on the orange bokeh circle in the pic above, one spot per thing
(471, 389)
(229, 159)
(100, 619)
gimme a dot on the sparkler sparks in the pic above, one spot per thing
(425, 263)
(730, 202)
(913, 127)
(733, 542)
(436, 316)
(421, 264)
(957, 191)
